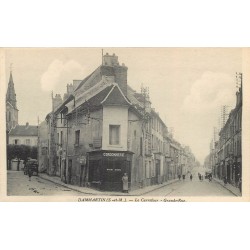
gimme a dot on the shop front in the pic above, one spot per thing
(106, 169)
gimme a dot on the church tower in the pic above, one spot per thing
(11, 105)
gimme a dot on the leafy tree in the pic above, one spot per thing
(33, 152)
(20, 152)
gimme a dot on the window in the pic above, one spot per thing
(77, 137)
(27, 141)
(114, 134)
(16, 141)
(61, 140)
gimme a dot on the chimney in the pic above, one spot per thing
(110, 60)
(70, 88)
(121, 77)
(57, 101)
(111, 67)
(76, 84)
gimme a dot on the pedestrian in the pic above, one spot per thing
(240, 184)
(210, 177)
(200, 177)
(191, 177)
(29, 172)
(225, 180)
(179, 176)
(183, 177)
(125, 183)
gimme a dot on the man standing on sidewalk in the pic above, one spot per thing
(125, 183)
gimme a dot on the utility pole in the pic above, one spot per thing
(102, 56)
(145, 134)
(38, 141)
(52, 153)
(238, 80)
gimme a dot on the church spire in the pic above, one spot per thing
(11, 94)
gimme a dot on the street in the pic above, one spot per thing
(191, 188)
(19, 184)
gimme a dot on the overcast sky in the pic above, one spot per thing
(187, 85)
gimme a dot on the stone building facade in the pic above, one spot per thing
(102, 129)
(225, 157)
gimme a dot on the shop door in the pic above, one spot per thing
(82, 175)
(96, 173)
(114, 170)
(69, 171)
(157, 170)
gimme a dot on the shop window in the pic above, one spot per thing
(114, 134)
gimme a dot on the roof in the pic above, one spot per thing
(23, 130)
(85, 79)
(116, 97)
(95, 102)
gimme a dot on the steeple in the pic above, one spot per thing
(11, 94)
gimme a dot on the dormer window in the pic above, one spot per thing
(114, 134)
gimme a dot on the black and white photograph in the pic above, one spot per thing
(124, 124)
(139, 124)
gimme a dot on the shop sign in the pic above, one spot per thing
(113, 154)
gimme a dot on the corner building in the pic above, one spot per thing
(102, 129)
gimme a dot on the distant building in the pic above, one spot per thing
(230, 141)
(24, 135)
(17, 134)
(225, 157)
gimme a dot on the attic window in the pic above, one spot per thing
(114, 134)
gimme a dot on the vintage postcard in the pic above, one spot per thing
(125, 124)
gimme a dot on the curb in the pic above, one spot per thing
(227, 188)
(63, 185)
(89, 193)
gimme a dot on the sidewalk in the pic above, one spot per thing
(229, 187)
(90, 191)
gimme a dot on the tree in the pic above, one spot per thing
(10, 154)
(20, 152)
(33, 152)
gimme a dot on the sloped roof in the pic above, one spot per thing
(115, 97)
(85, 79)
(23, 130)
(95, 101)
